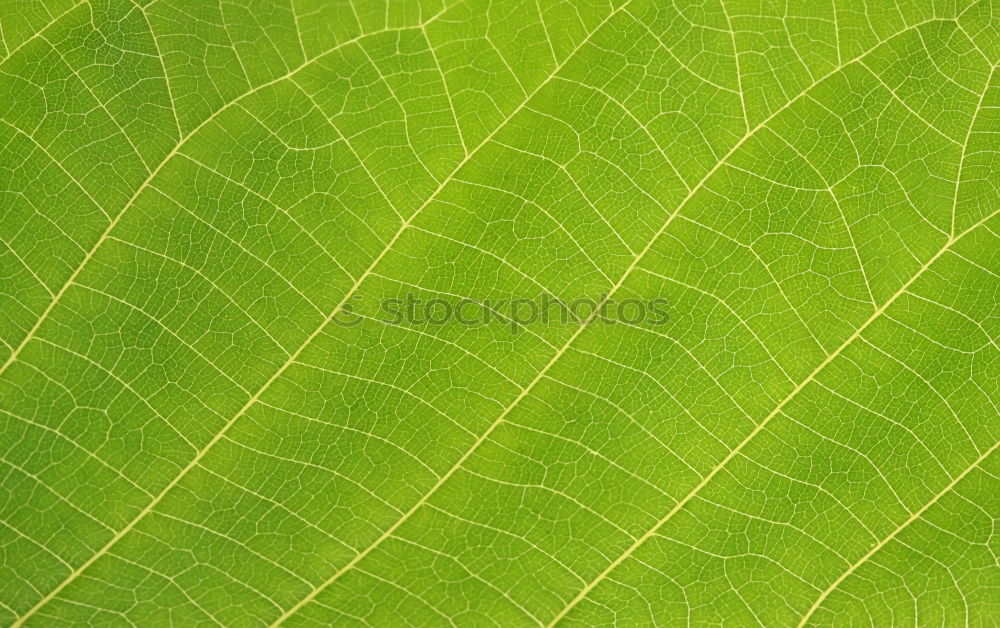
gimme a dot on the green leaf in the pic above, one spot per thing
(285, 340)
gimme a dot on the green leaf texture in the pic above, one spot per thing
(194, 195)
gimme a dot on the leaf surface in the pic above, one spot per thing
(207, 417)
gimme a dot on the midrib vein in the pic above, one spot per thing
(293, 357)
(760, 426)
(562, 350)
